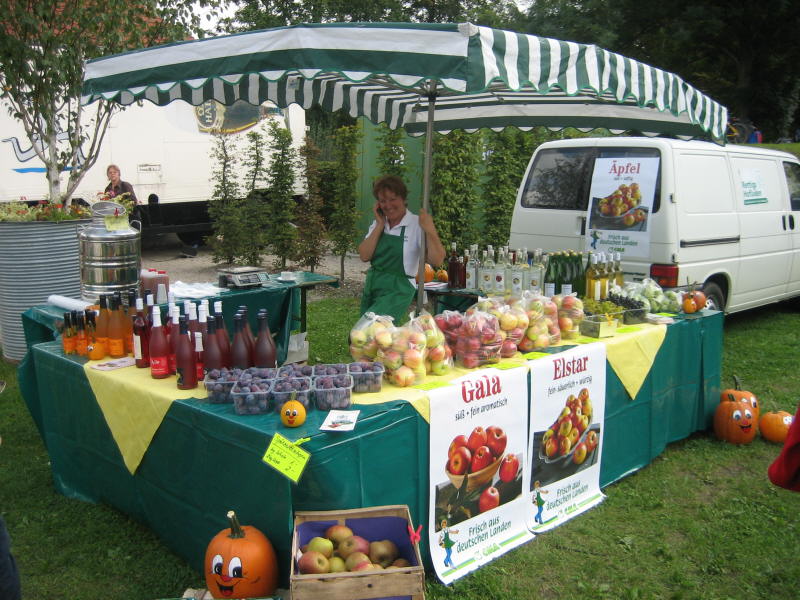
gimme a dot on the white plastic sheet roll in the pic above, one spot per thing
(67, 303)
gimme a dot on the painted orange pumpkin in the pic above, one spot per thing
(734, 422)
(774, 425)
(240, 563)
(737, 393)
(293, 413)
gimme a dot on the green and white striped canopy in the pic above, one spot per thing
(480, 77)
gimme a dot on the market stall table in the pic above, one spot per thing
(204, 459)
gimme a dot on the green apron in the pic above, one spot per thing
(387, 290)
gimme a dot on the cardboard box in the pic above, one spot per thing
(374, 523)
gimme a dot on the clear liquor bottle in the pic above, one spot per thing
(536, 273)
(486, 272)
(500, 273)
(471, 274)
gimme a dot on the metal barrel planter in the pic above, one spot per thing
(37, 259)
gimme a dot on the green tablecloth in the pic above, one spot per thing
(205, 460)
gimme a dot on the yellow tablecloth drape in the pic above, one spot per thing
(631, 355)
(134, 404)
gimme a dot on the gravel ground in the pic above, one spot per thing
(167, 253)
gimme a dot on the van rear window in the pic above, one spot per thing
(561, 177)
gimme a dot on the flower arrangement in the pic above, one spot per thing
(42, 211)
(124, 199)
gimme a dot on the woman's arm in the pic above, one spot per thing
(434, 251)
(367, 247)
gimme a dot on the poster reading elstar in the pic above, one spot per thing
(620, 204)
(478, 450)
(566, 435)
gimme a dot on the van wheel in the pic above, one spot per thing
(715, 299)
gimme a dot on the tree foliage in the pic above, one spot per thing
(226, 207)
(311, 243)
(736, 51)
(454, 180)
(42, 53)
(391, 154)
(344, 215)
(282, 232)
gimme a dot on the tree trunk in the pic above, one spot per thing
(341, 267)
(53, 179)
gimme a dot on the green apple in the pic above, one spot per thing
(337, 565)
(322, 545)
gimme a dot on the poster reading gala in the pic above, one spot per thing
(566, 434)
(478, 450)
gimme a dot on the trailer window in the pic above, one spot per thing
(559, 179)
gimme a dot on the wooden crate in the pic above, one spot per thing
(403, 582)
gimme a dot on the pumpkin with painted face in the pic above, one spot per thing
(734, 421)
(737, 393)
(240, 563)
(293, 413)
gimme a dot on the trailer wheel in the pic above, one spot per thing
(715, 299)
(193, 238)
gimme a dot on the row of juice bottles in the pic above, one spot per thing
(515, 271)
(187, 345)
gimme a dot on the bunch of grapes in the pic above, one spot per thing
(635, 311)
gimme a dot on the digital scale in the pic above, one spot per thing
(242, 277)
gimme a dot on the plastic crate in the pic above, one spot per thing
(219, 383)
(284, 387)
(367, 377)
(333, 392)
(252, 398)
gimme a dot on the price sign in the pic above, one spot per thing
(116, 222)
(286, 457)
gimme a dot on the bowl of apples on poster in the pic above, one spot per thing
(570, 439)
(483, 474)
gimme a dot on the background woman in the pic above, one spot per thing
(116, 185)
(392, 246)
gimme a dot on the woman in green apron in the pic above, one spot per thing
(393, 245)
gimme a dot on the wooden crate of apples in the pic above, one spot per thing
(359, 553)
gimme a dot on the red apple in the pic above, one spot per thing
(509, 468)
(441, 322)
(458, 442)
(412, 358)
(580, 453)
(313, 562)
(573, 436)
(355, 543)
(460, 460)
(437, 353)
(473, 344)
(338, 533)
(496, 439)
(477, 438)
(564, 446)
(526, 344)
(490, 498)
(470, 361)
(508, 349)
(551, 447)
(591, 440)
(481, 458)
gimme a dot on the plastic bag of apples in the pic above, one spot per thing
(439, 359)
(404, 358)
(542, 330)
(370, 333)
(478, 340)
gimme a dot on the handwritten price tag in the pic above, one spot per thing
(115, 223)
(286, 457)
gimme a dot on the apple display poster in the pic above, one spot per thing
(620, 204)
(478, 458)
(566, 435)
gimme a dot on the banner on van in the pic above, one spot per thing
(620, 203)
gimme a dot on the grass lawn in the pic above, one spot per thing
(701, 521)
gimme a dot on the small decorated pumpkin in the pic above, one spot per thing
(293, 413)
(734, 421)
(240, 563)
(774, 425)
(737, 393)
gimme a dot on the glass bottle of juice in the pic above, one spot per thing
(567, 273)
(222, 338)
(240, 353)
(602, 275)
(199, 354)
(68, 334)
(619, 276)
(141, 336)
(116, 329)
(173, 336)
(185, 366)
(212, 354)
(81, 342)
(159, 348)
(265, 351)
(452, 268)
(592, 282)
(101, 328)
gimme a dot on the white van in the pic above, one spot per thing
(724, 217)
